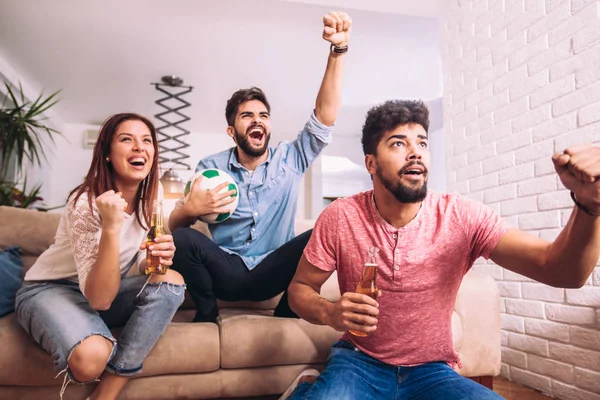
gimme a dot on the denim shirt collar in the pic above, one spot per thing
(233, 160)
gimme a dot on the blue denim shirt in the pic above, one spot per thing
(264, 217)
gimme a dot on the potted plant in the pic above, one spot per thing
(21, 138)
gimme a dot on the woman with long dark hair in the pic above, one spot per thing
(91, 279)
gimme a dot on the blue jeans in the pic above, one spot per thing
(351, 374)
(58, 317)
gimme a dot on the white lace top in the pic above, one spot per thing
(75, 247)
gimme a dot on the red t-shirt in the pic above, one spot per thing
(421, 266)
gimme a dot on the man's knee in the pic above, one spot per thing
(185, 240)
(305, 236)
(188, 239)
(89, 358)
(184, 237)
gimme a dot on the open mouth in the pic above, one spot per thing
(415, 171)
(137, 161)
(256, 133)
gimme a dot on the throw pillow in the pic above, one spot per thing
(11, 270)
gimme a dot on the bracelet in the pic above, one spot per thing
(338, 50)
(581, 207)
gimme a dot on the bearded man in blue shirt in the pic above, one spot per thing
(254, 254)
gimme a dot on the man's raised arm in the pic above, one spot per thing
(571, 258)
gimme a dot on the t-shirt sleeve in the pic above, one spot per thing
(84, 228)
(321, 250)
(483, 226)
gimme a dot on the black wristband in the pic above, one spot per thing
(581, 207)
(338, 50)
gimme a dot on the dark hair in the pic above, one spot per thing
(100, 177)
(240, 97)
(387, 116)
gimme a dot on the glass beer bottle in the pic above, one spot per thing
(368, 282)
(157, 229)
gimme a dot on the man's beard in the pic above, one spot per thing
(243, 140)
(404, 193)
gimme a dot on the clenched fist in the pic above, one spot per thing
(337, 27)
(112, 208)
(579, 170)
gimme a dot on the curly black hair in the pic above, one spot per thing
(387, 116)
(240, 97)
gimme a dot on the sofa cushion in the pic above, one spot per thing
(223, 384)
(251, 305)
(28, 262)
(184, 348)
(254, 338)
(33, 231)
(37, 370)
(11, 270)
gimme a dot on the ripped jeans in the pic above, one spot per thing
(58, 317)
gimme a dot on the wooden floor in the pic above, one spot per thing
(506, 389)
(514, 391)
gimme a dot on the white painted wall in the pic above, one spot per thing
(104, 61)
(521, 81)
(342, 177)
(424, 8)
(437, 169)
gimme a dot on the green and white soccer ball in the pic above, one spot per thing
(212, 178)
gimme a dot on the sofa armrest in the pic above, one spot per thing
(478, 310)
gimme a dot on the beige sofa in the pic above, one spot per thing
(248, 353)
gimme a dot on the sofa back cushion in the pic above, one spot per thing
(33, 231)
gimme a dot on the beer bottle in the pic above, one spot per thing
(368, 282)
(157, 229)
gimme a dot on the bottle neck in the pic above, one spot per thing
(369, 272)
(157, 217)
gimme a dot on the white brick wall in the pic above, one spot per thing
(553, 369)
(522, 81)
(570, 315)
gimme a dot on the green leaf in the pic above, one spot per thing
(22, 131)
(12, 195)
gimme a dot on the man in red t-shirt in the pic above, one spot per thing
(427, 241)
